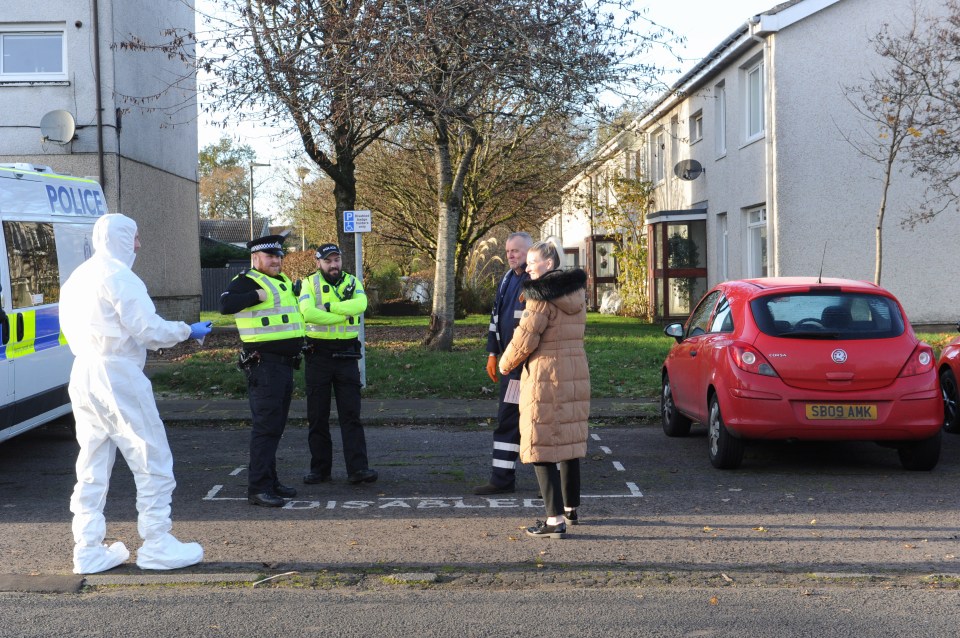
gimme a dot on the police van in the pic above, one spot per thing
(46, 228)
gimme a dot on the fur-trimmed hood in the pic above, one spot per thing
(558, 287)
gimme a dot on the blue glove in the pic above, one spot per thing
(200, 329)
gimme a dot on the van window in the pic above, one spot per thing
(32, 259)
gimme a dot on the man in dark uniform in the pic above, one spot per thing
(507, 309)
(332, 303)
(264, 305)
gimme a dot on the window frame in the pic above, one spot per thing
(658, 148)
(720, 119)
(754, 105)
(696, 127)
(34, 30)
(757, 265)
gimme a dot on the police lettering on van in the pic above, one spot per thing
(46, 222)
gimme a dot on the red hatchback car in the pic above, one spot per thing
(799, 358)
(949, 369)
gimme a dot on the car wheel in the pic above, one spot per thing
(674, 423)
(726, 451)
(920, 455)
(951, 401)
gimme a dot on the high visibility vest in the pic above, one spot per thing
(317, 288)
(277, 317)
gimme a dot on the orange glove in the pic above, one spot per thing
(492, 368)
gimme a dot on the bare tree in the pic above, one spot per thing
(890, 104)
(513, 183)
(933, 154)
(445, 61)
(304, 62)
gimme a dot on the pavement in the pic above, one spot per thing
(399, 411)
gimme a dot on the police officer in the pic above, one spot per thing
(332, 303)
(507, 309)
(264, 305)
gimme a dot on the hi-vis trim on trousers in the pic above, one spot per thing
(312, 327)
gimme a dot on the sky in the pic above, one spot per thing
(705, 23)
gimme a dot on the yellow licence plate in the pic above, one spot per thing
(842, 411)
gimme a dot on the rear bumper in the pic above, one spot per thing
(909, 410)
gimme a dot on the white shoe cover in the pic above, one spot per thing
(99, 558)
(166, 552)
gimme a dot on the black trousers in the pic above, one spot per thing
(559, 485)
(506, 438)
(269, 387)
(323, 374)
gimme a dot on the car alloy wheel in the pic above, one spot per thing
(951, 401)
(674, 423)
(726, 451)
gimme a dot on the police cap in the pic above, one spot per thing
(326, 250)
(270, 244)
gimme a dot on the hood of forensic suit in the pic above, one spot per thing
(114, 236)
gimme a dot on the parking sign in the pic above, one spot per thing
(357, 221)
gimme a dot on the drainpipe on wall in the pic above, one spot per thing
(773, 238)
(99, 88)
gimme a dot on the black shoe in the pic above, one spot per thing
(543, 530)
(490, 488)
(266, 499)
(313, 478)
(284, 491)
(571, 517)
(363, 476)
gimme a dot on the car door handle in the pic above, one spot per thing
(693, 353)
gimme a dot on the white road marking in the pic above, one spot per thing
(618, 466)
(634, 490)
(237, 471)
(595, 437)
(606, 450)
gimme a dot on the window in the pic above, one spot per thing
(696, 127)
(674, 136)
(700, 318)
(720, 119)
(823, 315)
(32, 259)
(723, 317)
(722, 247)
(757, 242)
(658, 148)
(755, 97)
(32, 56)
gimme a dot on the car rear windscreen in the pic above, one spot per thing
(834, 315)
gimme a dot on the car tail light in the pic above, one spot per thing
(750, 360)
(920, 361)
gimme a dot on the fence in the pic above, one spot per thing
(214, 281)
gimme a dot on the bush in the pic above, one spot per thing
(217, 256)
(299, 264)
(387, 281)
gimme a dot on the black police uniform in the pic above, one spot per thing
(268, 366)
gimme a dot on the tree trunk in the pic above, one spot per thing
(440, 334)
(345, 194)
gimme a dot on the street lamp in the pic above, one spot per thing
(252, 166)
(302, 172)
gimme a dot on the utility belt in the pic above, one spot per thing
(311, 349)
(249, 359)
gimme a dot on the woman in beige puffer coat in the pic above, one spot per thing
(554, 384)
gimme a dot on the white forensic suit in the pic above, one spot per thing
(109, 322)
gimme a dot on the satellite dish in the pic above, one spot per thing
(58, 126)
(688, 169)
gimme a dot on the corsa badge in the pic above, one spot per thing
(839, 355)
